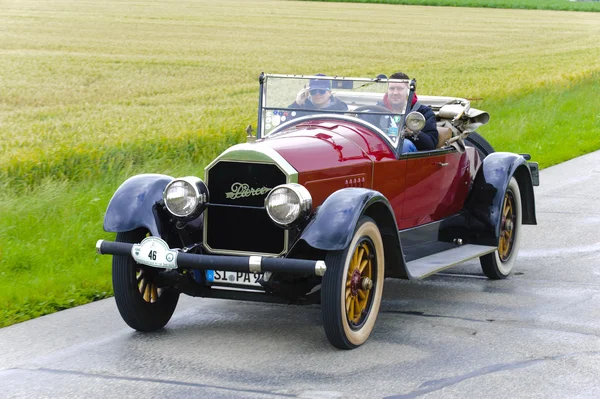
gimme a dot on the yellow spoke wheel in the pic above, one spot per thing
(507, 226)
(359, 282)
(147, 285)
(500, 263)
(352, 286)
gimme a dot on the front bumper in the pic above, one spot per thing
(249, 264)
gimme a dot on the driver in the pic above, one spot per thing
(318, 96)
(395, 100)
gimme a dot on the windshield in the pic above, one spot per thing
(379, 102)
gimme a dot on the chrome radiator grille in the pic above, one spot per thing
(236, 221)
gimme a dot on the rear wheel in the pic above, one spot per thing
(483, 147)
(352, 287)
(143, 305)
(500, 263)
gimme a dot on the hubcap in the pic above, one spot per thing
(359, 283)
(367, 283)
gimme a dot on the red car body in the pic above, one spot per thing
(330, 156)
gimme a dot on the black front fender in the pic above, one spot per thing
(132, 205)
(333, 225)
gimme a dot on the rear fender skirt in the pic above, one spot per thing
(133, 204)
(335, 221)
(484, 205)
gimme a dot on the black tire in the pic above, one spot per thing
(350, 306)
(483, 147)
(143, 306)
(500, 263)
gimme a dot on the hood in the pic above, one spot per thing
(316, 148)
(300, 150)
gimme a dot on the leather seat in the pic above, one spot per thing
(444, 134)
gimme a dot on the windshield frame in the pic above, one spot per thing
(344, 87)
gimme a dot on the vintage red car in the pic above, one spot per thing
(322, 208)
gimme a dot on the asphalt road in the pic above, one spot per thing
(454, 335)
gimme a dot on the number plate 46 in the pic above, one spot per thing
(153, 251)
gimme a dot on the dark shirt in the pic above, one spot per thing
(427, 139)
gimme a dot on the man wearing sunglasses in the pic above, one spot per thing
(318, 96)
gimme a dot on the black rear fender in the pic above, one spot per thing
(484, 206)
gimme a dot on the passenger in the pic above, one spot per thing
(318, 96)
(395, 100)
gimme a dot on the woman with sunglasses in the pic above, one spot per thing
(318, 96)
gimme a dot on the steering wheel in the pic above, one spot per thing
(377, 108)
(381, 121)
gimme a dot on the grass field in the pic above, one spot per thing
(93, 92)
(563, 5)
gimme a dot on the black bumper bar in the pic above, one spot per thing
(250, 264)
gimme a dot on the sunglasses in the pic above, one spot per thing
(317, 91)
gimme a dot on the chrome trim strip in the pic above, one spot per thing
(254, 264)
(374, 80)
(427, 153)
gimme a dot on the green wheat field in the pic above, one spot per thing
(93, 92)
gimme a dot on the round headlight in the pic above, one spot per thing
(185, 197)
(415, 121)
(288, 203)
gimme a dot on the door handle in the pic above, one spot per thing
(441, 163)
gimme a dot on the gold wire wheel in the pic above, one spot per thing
(507, 232)
(147, 285)
(359, 282)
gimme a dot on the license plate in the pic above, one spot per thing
(153, 251)
(219, 277)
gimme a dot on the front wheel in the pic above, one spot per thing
(143, 305)
(500, 263)
(352, 287)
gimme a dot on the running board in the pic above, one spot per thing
(428, 265)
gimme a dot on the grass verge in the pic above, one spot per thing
(46, 258)
(558, 5)
(48, 231)
(554, 123)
